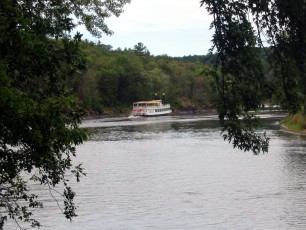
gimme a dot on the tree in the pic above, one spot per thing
(240, 28)
(141, 49)
(39, 116)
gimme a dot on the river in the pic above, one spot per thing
(178, 173)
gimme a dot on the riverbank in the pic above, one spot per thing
(295, 124)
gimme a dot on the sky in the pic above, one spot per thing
(171, 27)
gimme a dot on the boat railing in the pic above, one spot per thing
(137, 106)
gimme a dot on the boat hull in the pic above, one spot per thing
(150, 113)
(156, 114)
(150, 108)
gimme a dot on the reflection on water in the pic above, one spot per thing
(150, 128)
(178, 173)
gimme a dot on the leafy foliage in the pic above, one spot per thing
(239, 28)
(40, 117)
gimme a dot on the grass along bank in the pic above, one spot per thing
(296, 123)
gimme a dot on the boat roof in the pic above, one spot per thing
(152, 101)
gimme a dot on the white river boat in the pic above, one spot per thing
(151, 108)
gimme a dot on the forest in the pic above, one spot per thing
(114, 79)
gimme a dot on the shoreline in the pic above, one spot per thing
(176, 113)
(292, 131)
(294, 124)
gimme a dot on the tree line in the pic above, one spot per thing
(114, 79)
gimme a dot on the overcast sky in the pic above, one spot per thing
(172, 27)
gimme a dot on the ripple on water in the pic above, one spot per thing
(180, 174)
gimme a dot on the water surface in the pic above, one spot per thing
(178, 173)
